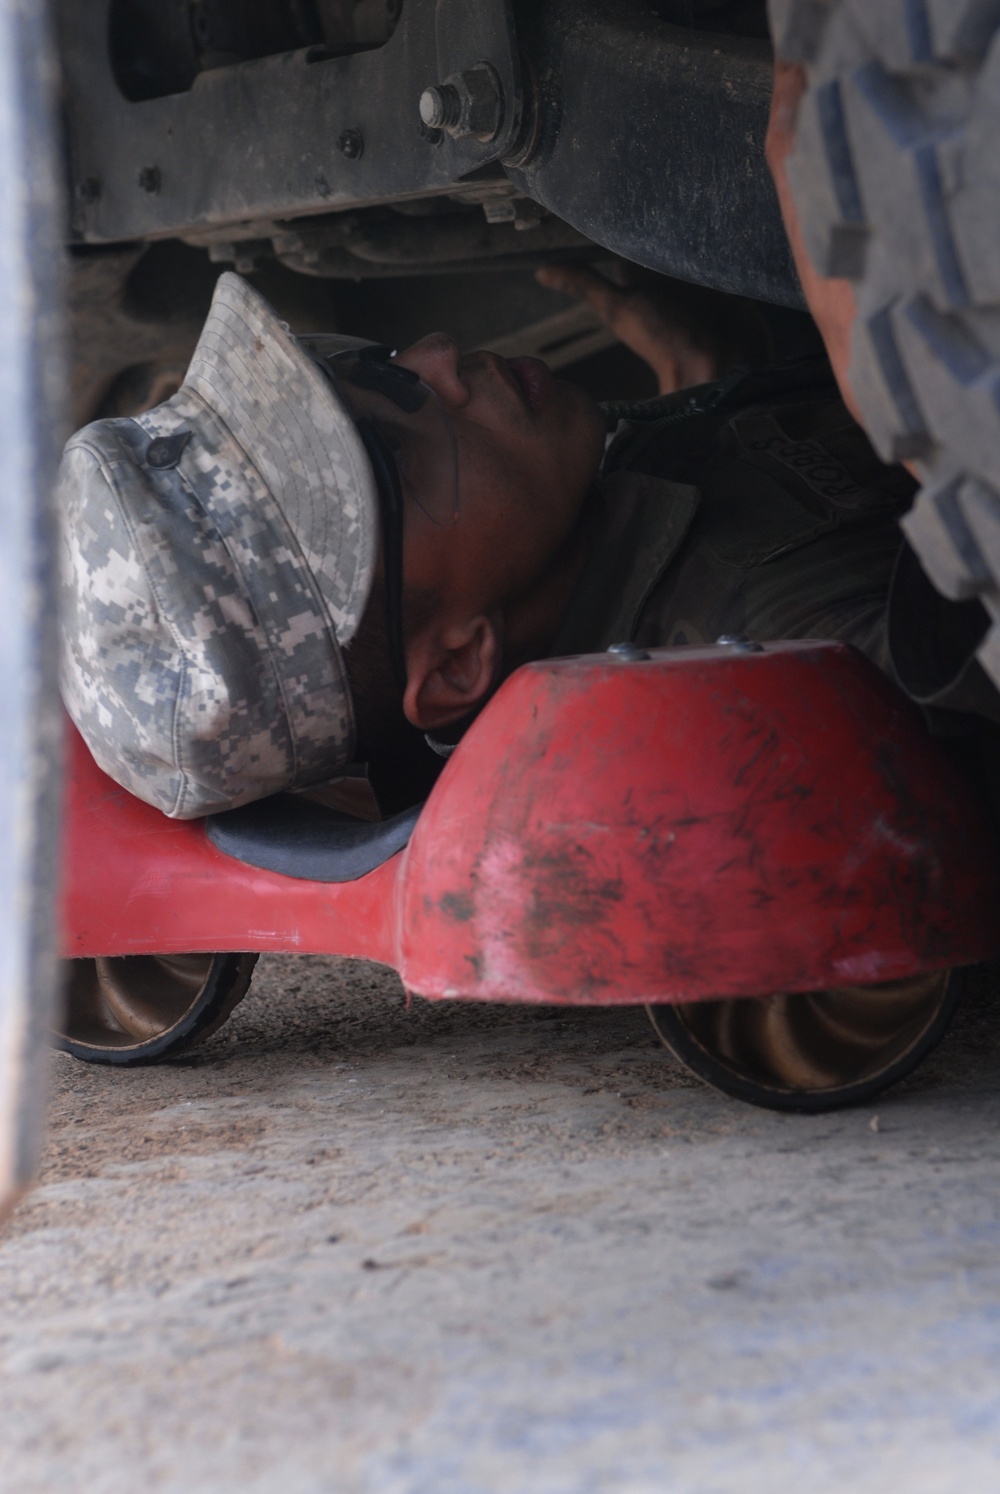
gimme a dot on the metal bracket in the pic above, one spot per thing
(286, 136)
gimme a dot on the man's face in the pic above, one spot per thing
(528, 446)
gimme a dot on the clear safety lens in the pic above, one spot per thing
(411, 421)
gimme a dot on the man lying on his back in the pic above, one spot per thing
(315, 542)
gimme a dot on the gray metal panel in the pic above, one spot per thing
(647, 138)
(651, 142)
(31, 390)
(259, 140)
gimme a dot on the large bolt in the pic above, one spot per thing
(440, 106)
(469, 105)
(739, 643)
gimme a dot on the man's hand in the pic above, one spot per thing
(640, 323)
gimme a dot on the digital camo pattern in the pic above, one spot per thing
(200, 663)
(282, 410)
(204, 602)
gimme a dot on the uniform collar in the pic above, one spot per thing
(640, 524)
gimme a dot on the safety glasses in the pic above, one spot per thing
(411, 423)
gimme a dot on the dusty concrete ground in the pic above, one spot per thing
(351, 1248)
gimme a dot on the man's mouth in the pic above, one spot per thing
(533, 378)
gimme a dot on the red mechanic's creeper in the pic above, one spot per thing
(688, 826)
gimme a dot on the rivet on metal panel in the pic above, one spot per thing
(739, 643)
(351, 143)
(629, 653)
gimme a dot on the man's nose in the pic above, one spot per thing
(435, 359)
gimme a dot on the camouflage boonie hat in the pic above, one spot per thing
(217, 554)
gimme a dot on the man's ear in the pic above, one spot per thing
(449, 670)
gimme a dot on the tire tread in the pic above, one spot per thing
(896, 176)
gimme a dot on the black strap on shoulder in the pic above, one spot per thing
(684, 403)
(740, 387)
(808, 377)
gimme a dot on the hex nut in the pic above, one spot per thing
(469, 105)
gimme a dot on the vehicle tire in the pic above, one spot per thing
(896, 177)
(135, 1009)
(812, 1050)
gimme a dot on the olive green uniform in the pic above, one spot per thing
(755, 505)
